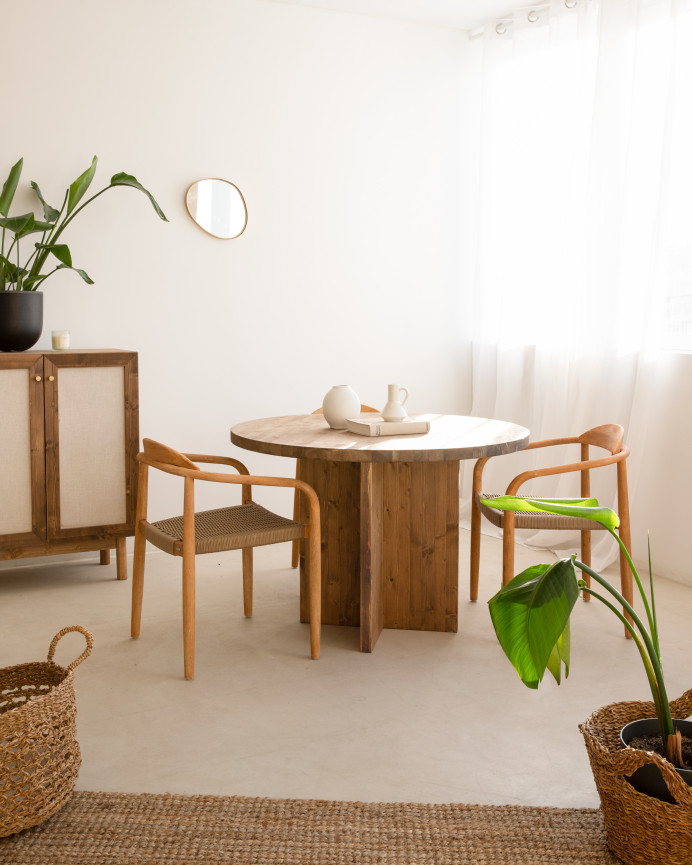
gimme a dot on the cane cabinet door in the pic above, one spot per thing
(69, 435)
(22, 464)
(91, 442)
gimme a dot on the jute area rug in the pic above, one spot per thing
(138, 829)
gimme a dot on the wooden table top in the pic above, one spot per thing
(451, 437)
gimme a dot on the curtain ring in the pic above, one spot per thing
(533, 16)
(501, 29)
(570, 4)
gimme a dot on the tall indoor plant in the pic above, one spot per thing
(23, 272)
(531, 614)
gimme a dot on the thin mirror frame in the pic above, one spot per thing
(194, 218)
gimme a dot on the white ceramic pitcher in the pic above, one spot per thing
(394, 408)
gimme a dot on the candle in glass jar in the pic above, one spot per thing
(61, 339)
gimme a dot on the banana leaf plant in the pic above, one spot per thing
(28, 274)
(531, 614)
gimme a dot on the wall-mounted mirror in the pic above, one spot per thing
(217, 206)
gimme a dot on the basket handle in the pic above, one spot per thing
(682, 707)
(628, 760)
(85, 654)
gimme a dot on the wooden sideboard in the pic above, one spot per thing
(69, 436)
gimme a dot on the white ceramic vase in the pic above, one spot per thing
(394, 407)
(340, 403)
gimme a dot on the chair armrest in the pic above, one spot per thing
(248, 480)
(245, 480)
(227, 461)
(549, 443)
(583, 465)
(543, 443)
(263, 481)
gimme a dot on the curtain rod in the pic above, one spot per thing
(533, 16)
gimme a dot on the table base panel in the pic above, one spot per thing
(390, 545)
(337, 485)
(420, 561)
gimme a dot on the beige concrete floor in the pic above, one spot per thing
(427, 717)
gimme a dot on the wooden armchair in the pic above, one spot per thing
(295, 551)
(610, 437)
(241, 527)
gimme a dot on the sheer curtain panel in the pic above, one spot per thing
(581, 208)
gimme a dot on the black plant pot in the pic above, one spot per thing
(21, 319)
(647, 779)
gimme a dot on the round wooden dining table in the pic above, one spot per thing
(389, 513)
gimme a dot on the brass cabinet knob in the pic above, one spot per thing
(51, 378)
(38, 378)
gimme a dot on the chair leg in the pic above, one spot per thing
(140, 549)
(295, 545)
(626, 576)
(507, 547)
(476, 519)
(189, 578)
(247, 582)
(138, 580)
(625, 537)
(586, 559)
(189, 614)
(475, 547)
(315, 587)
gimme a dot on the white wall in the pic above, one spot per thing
(346, 135)
(342, 132)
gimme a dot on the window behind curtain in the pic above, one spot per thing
(587, 186)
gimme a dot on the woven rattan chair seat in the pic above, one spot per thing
(535, 520)
(233, 528)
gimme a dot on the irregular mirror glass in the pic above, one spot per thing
(218, 207)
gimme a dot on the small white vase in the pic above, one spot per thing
(340, 403)
(394, 407)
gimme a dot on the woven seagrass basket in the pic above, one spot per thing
(640, 830)
(39, 753)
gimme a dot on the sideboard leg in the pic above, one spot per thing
(121, 558)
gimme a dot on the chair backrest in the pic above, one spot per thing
(155, 452)
(609, 436)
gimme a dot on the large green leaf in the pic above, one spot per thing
(123, 179)
(60, 251)
(13, 273)
(10, 187)
(18, 224)
(33, 227)
(30, 281)
(586, 509)
(9, 270)
(80, 186)
(560, 655)
(530, 615)
(85, 276)
(50, 214)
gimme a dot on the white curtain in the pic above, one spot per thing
(582, 213)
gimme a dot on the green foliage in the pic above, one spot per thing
(531, 619)
(30, 274)
(531, 614)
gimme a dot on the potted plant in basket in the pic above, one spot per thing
(531, 616)
(21, 277)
